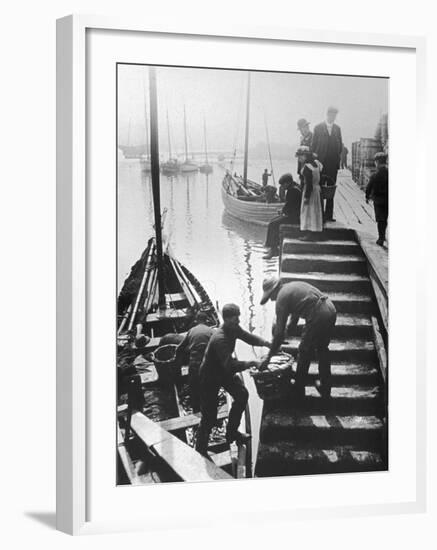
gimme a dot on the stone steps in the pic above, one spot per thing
(346, 432)
(328, 263)
(286, 458)
(335, 282)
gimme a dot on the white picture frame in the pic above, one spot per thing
(73, 263)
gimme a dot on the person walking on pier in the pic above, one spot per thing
(194, 345)
(377, 191)
(297, 300)
(311, 214)
(327, 144)
(219, 369)
(306, 138)
(289, 191)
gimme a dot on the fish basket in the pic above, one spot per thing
(328, 191)
(164, 360)
(274, 382)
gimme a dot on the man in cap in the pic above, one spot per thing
(219, 369)
(327, 145)
(194, 345)
(306, 137)
(290, 192)
(301, 300)
(377, 190)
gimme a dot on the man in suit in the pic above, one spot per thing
(328, 145)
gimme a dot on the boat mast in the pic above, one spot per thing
(269, 149)
(185, 136)
(154, 160)
(206, 145)
(246, 139)
(146, 123)
(168, 137)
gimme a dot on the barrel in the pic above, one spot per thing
(368, 148)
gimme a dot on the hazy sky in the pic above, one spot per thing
(220, 96)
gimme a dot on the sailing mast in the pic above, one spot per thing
(246, 140)
(269, 149)
(146, 122)
(168, 137)
(185, 136)
(154, 158)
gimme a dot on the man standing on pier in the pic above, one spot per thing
(327, 145)
(302, 300)
(219, 370)
(377, 190)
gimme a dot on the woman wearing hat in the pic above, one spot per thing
(306, 138)
(311, 214)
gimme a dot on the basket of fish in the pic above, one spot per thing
(274, 381)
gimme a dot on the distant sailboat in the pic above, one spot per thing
(171, 166)
(205, 168)
(240, 195)
(188, 165)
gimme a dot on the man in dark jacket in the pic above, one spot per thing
(194, 345)
(219, 369)
(377, 191)
(297, 300)
(327, 145)
(289, 191)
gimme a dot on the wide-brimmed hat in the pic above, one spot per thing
(269, 285)
(380, 157)
(302, 122)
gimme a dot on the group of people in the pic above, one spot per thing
(212, 364)
(318, 160)
(319, 157)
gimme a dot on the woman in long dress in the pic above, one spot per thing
(311, 214)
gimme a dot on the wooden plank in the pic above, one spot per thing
(126, 461)
(186, 463)
(189, 420)
(148, 431)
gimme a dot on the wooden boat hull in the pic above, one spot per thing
(259, 213)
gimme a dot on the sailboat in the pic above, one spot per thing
(171, 166)
(242, 197)
(146, 165)
(160, 296)
(205, 168)
(188, 165)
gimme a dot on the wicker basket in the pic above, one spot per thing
(274, 382)
(164, 359)
(328, 191)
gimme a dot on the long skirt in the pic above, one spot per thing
(311, 215)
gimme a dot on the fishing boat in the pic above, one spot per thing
(158, 300)
(171, 166)
(206, 168)
(244, 198)
(188, 165)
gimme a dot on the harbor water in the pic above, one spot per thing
(225, 254)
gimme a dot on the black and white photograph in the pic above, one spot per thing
(252, 247)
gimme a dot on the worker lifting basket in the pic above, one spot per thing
(274, 381)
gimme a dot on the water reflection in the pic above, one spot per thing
(225, 254)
